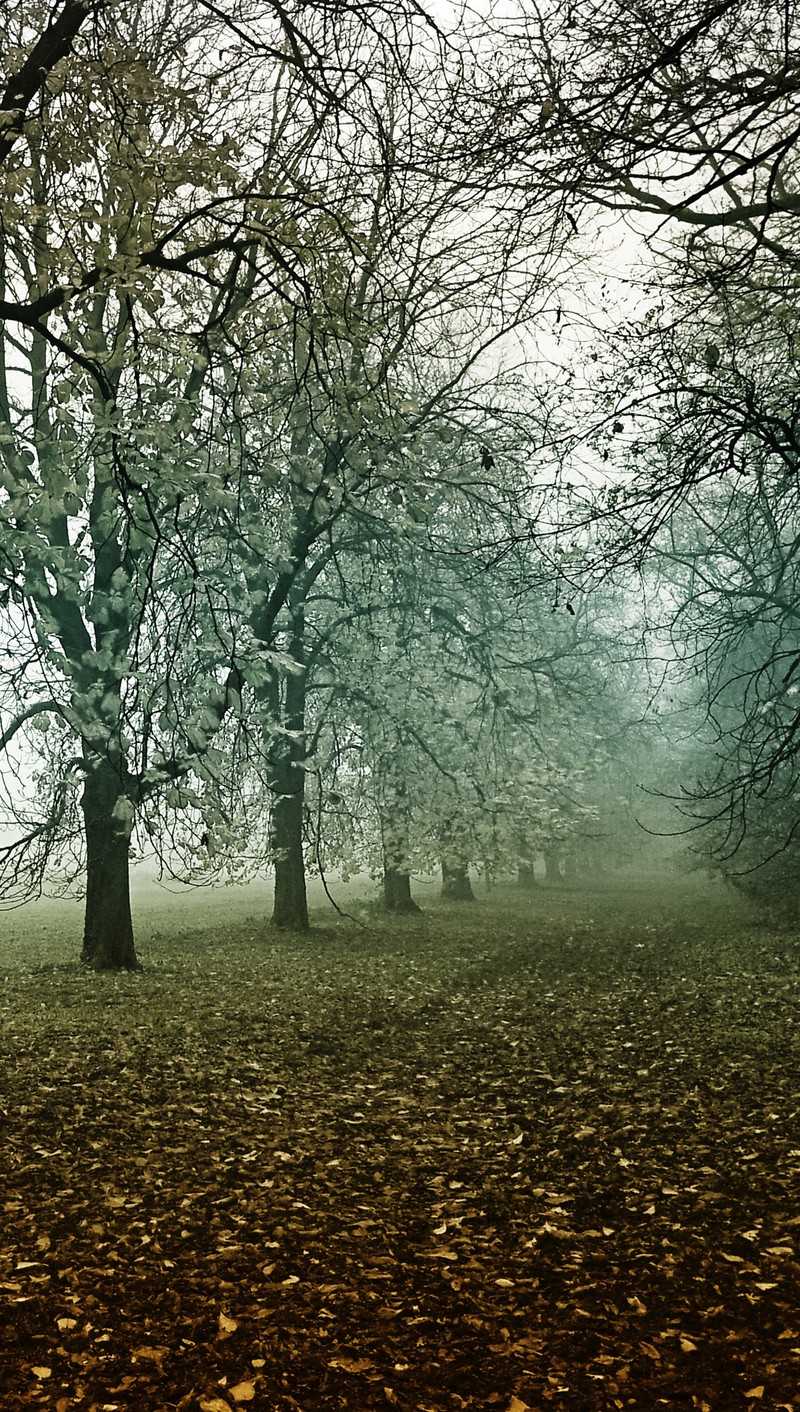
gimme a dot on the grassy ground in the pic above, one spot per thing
(536, 1151)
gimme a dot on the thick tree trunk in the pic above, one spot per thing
(455, 882)
(397, 890)
(526, 878)
(552, 865)
(290, 906)
(108, 815)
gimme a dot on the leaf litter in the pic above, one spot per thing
(529, 1152)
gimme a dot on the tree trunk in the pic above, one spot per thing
(290, 906)
(393, 811)
(552, 865)
(397, 890)
(526, 878)
(108, 816)
(455, 882)
(570, 867)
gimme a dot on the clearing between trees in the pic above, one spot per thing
(530, 1151)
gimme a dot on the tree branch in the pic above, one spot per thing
(38, 709)
(53, 45)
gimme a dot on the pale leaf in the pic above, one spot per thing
(243, 1392)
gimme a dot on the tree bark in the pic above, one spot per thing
(397, 890)
(455, 882)
(552, 865)
(290, 906)
(108, 928)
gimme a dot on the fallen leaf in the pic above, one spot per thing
(352, 1365)
(243, 1392)
(756, 1392)
(226, 1325)
(42, 1372)
(517, 1405)
(214, 1404)
(65, 1324)
(154, 1355)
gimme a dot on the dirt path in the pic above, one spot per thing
(529, 1152)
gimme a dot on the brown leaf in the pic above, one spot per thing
(352, 1365)
(154, 1355)
(243, 1392)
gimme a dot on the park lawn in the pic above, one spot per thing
(539, 1150)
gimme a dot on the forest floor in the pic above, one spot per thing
(540, 1150)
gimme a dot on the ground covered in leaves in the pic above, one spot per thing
(535, 1151)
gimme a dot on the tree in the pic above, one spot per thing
(132, 223)
(688, 116)
(356, 413)
(730, 560)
